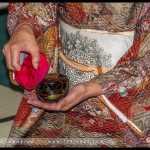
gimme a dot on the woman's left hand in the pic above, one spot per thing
(76, 94)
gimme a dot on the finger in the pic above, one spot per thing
(8, 59)
(35, 57)
(63, 103)
(64, 106)
(15, 55)
(4, 52)
(48, 106)
(73, 97)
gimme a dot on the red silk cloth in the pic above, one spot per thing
(29, 77)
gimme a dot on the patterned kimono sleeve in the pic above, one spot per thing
(43, 18)
(127, 86)
(132, 70)
(40, 15)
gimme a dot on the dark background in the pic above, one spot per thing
(4, 38)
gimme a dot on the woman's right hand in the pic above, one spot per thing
(23, 39)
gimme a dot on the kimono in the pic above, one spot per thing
(92, 123)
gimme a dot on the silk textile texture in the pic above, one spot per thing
(126, 85)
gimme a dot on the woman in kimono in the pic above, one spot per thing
(104, 50)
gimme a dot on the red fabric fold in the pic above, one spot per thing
(29, 77)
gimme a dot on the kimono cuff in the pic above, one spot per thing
(36, 28)
(105, 84)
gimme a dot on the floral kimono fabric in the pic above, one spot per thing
(124, 80)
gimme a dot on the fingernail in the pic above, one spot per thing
(58, 108)
(36, 65)
(33, 103)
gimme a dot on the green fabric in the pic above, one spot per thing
(4, 77)
(4, 73)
